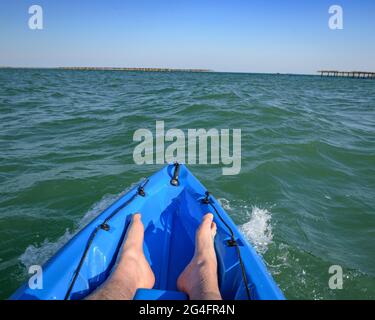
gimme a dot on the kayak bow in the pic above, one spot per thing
(172, 203)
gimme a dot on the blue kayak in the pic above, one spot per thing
(172, 203)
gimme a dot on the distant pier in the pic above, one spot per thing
(347, 74)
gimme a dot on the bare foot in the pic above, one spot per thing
(199, 279)
(133, 270)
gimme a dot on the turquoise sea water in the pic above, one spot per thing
(305, 196)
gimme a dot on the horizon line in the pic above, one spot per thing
(151, 69)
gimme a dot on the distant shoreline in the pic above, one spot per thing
(136, 69)
(166, 70)
(113, 69)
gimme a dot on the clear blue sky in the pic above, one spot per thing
(223, 35)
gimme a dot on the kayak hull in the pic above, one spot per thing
(171, 215)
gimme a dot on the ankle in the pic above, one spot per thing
(206, 263)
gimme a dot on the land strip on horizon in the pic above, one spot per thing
(115, 69)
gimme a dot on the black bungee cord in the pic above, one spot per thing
(103, 226)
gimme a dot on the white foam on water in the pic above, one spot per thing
(225, 204)
(258, 228)
(40, 253)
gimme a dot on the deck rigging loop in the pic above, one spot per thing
(232, 242)
(105, 227)
(174, 180)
